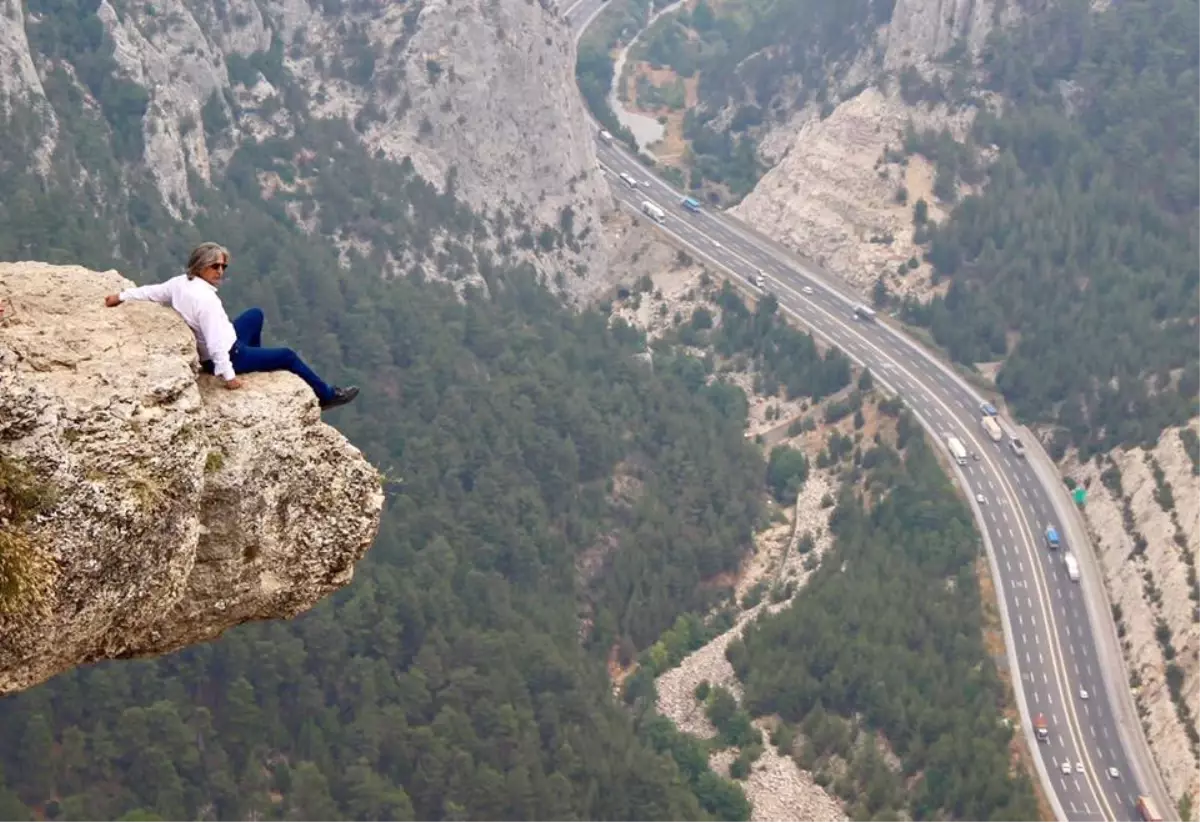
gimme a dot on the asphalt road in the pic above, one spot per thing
(1051, 647)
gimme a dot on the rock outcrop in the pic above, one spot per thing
(924, 30)
(833, 197)
(143, 508)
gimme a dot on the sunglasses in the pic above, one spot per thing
(220, 266)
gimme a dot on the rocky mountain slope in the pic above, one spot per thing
(478, 97)
(142, 510)
(839, 187)
(1143, 513)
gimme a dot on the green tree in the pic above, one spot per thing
(787, 469)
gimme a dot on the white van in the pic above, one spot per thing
(1072, 566)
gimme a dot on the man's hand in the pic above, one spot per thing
(112, 300)
(233, 384)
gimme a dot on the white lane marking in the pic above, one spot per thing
(1045, 679)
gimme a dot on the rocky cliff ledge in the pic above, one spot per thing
(143, 509)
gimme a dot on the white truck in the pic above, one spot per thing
(992, 428)
(1072, 566)
(956, 448)
(654, 211)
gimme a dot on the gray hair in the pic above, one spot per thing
(205, 255)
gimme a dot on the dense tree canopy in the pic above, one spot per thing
(1085, 239)
(886, 637)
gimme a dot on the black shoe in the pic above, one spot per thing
(341, 396)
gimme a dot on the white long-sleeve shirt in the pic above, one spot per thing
(197, 302)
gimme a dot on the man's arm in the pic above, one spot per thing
(222, 366)
(157, 293)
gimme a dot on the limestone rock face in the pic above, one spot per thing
(481, 88)
(173, 509)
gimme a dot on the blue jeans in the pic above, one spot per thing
(248, 355)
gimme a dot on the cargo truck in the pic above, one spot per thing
(992, 428)
(1052, 538)
(1145, 806)
(690, 203)
(653, 210)
(957, 450)
(1040, 729)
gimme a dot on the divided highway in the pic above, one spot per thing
(1086, 763)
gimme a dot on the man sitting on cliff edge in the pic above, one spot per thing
(227, 348)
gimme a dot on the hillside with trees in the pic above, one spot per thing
(882, 654)
(1077, 262)
(878, 663)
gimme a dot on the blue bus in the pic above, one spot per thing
(690, 203)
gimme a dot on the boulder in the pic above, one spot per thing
(144, 507)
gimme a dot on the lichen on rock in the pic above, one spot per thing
(149, 542)
(26, 572)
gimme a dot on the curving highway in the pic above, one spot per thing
(1095, 762)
